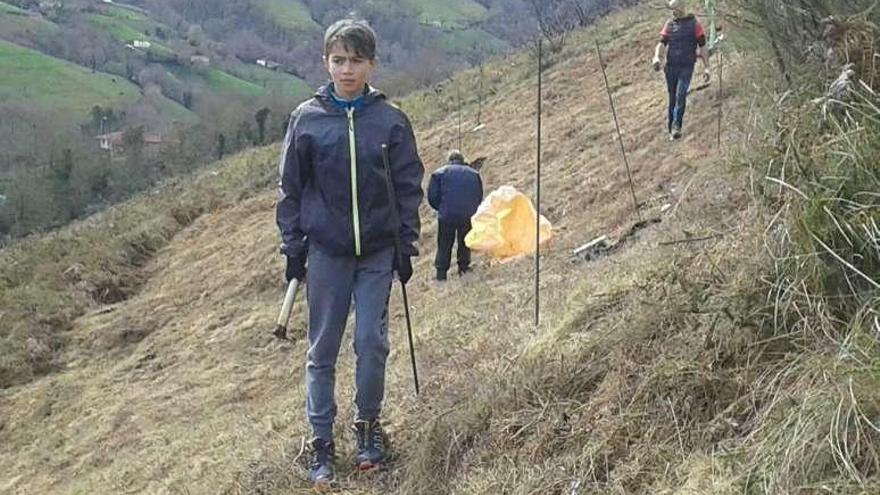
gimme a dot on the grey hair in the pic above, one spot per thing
(455, 156)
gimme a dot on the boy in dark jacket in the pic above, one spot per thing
(334, 211)
(455, 191)
(684, 39)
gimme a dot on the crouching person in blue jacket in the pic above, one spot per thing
(335, 218)
(455, 191)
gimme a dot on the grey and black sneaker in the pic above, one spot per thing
(676, 132)
(322, 463)
(372, 445)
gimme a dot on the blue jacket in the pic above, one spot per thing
(455, 191)
(333, 191)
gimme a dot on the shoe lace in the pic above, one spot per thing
(371, 436)
(377, 436)
(322, 453)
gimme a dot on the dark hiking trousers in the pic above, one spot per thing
(678, 81)
(447, 235)
(332, 283)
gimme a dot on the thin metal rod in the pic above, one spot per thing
(395, 218)
(538, 193)
(480, 98)
(720, 93)
(409, 337)
(458, 92)
(619, 136)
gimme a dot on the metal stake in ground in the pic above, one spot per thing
(458, 97)
(720, 93)
(538, 194)
(395, 220)
(619, 136)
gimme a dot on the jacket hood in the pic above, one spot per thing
(370, 95)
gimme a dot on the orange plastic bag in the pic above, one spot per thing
(504, 226)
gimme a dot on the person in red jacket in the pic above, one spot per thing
(684, 40)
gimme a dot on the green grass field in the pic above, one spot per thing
(452, 11)
(274, 82)
(118, 28)
(290, 14)
(460, 42)
(215, 80)
(15, 23)
(7, 8)
(226, 83)
(295, 15)
(128, 26)
(61, 87)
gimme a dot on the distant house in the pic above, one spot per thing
(262, 62)
(114, 142)
(428, 22)
(47, 6)
(142, 44)
(200, 60)
(110, 140)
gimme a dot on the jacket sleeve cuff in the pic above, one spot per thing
(409, 250)
(294, 250)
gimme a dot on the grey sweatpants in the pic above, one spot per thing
(331, 284)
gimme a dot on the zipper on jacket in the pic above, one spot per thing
(355, 214)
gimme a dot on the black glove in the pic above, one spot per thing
(296, 268)
(403, 268)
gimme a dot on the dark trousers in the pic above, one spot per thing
(447, 235)
(678, 81)
(332, 283)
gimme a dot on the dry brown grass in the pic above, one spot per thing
(638, 380)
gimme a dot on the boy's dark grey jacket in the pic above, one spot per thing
(333, 195)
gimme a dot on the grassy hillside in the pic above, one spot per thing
(448, 12)
(15, 23)
(290, 14)
(217, 81)
(716, 349)
(275, 82)
(295, 15)
(465, 41)
(27, 76)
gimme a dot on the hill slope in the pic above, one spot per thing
(645, 361)
(183, 380)
(28, 77)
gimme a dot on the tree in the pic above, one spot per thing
(60, 188)
(136, 174)
(221, 145)
(261, 116)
